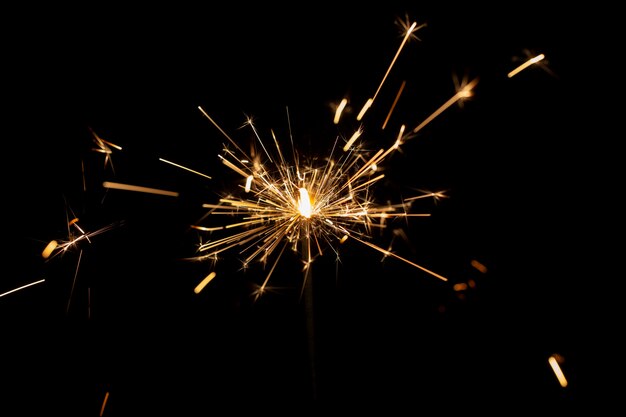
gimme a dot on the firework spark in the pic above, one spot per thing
(554, 361)
(56, 247)
(22, 287)
(75, 236)
(104, 147)
(525, 65)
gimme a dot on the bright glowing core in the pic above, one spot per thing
(304, 204)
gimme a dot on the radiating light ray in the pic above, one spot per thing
(250, 122)
(388, 253)
(104, 403)
(138, 188)
(184, 167)
(464, 92)
(22, 287)
(393, 105)
(525, 65)
(434, 195)
(104, 147)
(80, 255)
(370, 101)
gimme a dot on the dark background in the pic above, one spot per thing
(522, 163)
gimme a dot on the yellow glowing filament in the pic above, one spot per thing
(526, 65)
(464, 92)
(49, 248)
(393, 106)
(233, 167)
(304, 205)
(371, 100)
(180, 166)
(343, 239)
(207, 229)
(127, 187)
(353, 139)
(249, 183)
(340, 109)
(21, 288)
(399, 139)
(367, 105)
(204, 282)
(104, 403)
(557, 370)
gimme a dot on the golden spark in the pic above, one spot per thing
(525, 65)
(554, 360)
(22, 287)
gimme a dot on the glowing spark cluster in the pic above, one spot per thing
(309, 204)
(303, 205)
(22, 287)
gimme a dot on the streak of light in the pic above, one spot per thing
(183, 167)
(554, 363)
(370, 101)
(104, 403)
(525, 65)
(464, 92)
(128, 187)
(204, 282)
(393, 105)
(22, 287)
(339, 110)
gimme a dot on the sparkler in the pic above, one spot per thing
(293, 201)
(284, 200)
(302, 205)
(298, 203)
